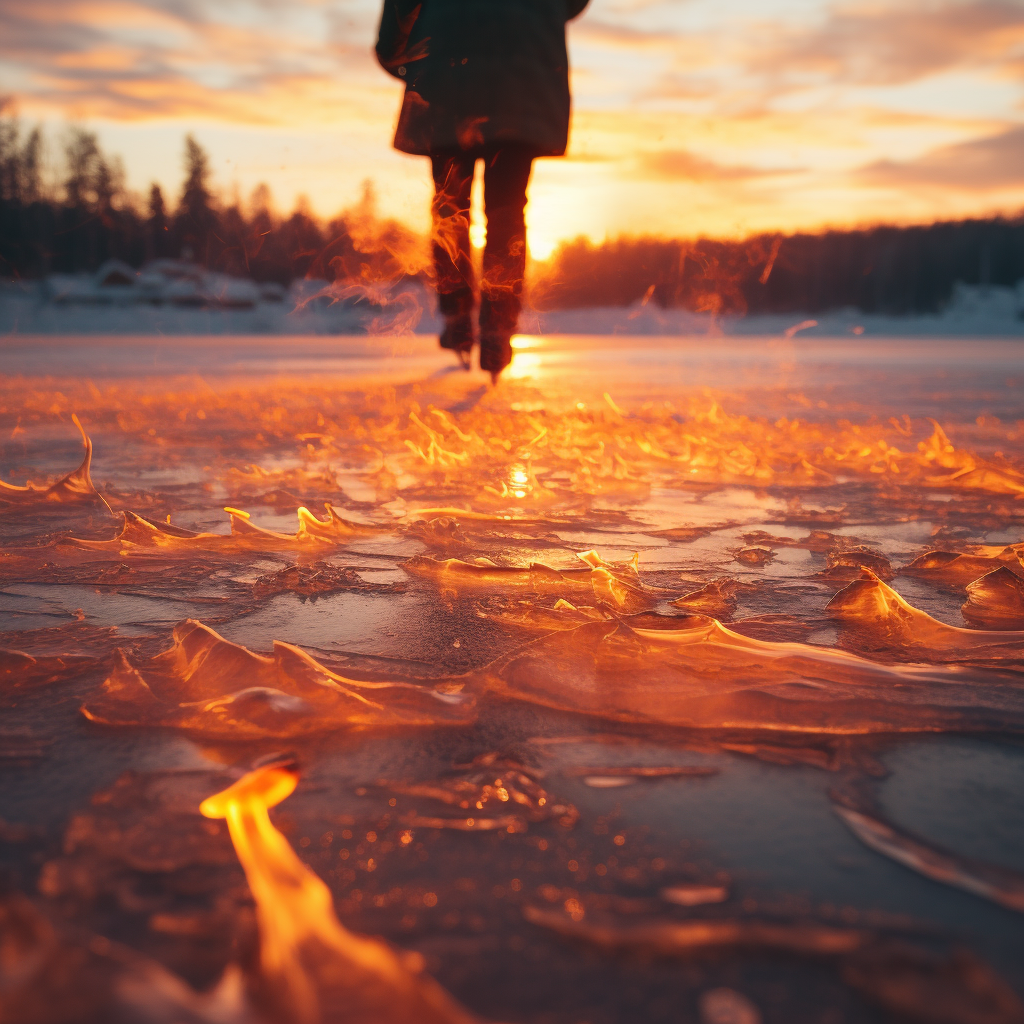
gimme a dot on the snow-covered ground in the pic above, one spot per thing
(28, 309)
(972, 312)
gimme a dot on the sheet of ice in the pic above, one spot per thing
(672, 754)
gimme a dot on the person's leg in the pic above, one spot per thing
(506, 176)
(453, 265)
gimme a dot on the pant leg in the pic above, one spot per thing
(506, 176)
(453, 264)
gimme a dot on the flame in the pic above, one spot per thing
(493, 483)
(309, 960)
(369, 263)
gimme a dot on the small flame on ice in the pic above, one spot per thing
(305, 952)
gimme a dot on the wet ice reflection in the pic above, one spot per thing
(509, 628)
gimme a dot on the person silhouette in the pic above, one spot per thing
(484, 80)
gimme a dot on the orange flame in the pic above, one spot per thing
(307, 957)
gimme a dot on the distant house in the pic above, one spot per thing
(162, 281)
(115, 283)
(179, 282)
(115, 274)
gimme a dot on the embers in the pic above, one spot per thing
(492, 792)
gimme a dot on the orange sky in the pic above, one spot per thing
(691, 116)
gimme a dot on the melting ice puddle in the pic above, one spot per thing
(669, 507)
(101, 608)
(943, 605)
(395, 626)
(609, 539)
(387, 545)
(772, 828)
(898, 541)
(967, 780)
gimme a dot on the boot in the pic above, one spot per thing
(495, 352)
(458, 336)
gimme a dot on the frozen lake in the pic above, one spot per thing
(759, 703)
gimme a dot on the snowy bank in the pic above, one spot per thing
(30, 308)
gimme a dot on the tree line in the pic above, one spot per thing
(894, 270)
(87, 216)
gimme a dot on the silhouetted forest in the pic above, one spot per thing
(87, 216)
(877, 270)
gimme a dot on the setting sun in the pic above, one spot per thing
(689, 119)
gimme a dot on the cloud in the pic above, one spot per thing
(982, 165)
(262, 61)
(622, 37)
(132, 58)
(878, 45)
(801, 105)
(682, 165)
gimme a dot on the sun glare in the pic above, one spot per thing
(522, 342)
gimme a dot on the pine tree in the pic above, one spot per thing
(9, 158)
(31, 167)
(82, 156)
(196, 219)
(157, 228)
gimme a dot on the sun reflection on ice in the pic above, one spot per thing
(519, 481)
(526, 359)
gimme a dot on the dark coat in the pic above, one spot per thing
(479, 72)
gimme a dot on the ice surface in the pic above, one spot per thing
(215, 689)
(708, 676)
(597, 641)
(885, 620)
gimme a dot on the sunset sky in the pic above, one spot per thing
(691, 116)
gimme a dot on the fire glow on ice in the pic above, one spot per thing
(774, 587)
